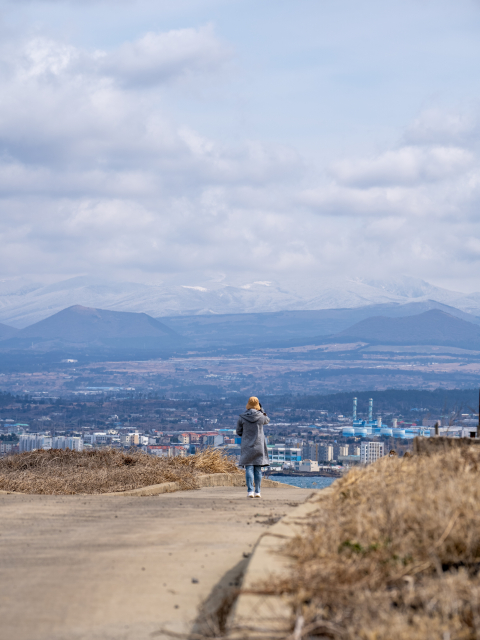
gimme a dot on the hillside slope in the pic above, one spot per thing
(433, 327)
(281, 326)
(79, 325)
(6, 331)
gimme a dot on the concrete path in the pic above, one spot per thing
(123, 568)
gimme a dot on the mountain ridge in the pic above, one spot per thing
(234, 329)
(6, 331)
(432, 327)
(23, 303)
(84, 326)
(80, 327)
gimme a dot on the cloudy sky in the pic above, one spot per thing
(152, 140)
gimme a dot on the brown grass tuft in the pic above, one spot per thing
(104, 470)
(393, 553)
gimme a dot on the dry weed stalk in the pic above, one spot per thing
(393, 553)
(104, 470)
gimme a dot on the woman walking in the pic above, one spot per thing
(254, 453)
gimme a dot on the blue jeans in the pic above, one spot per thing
(253, 473)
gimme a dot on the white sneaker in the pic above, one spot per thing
(257, 495)
(250, 495)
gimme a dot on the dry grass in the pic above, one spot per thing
(102, 471)
(392, 554)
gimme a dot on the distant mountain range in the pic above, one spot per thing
(282, 326)
(80, 328)
(433, 327)
(23, 302)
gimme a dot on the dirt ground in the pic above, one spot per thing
(124, 568)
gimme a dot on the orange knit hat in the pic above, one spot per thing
(253, 403)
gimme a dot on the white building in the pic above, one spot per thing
(59, 442)
(371, 451)
(32, 441)
(131, 439)
(294, 441)
(320, 452)
(464, 432)
(7, 447)
(343, 450)
(308, 465)
(75, 443)
(23, 443)
(167, 451)
(97, 439)
(281, 454)
(46, 442)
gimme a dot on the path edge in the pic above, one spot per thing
(270, 616)
(204, 480)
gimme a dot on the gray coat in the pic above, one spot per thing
(254, 446)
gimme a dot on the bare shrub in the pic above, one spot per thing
(393, 553)
(56, 471)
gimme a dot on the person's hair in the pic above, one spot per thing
(253, 403)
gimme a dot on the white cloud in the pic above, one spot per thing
(160, 57)
(97, 176)
(434, 126)
(43, 57)
(407, 165)
(153, 59)
(94, 174)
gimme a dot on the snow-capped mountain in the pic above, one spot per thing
(23, 302)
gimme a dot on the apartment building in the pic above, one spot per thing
(371, 451)
(279, 453)
(7, 448)
(33, 441)
(325, 453)
(167, 451)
